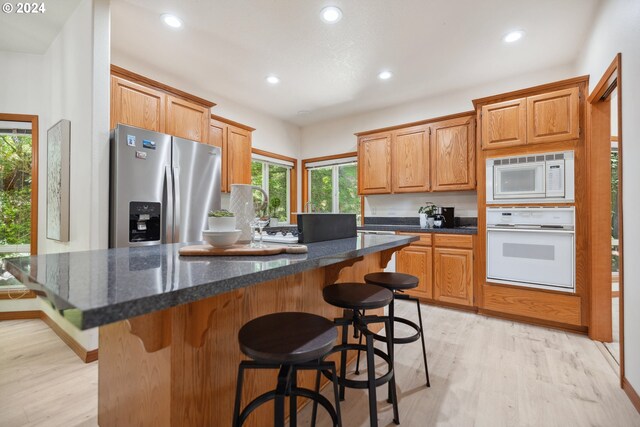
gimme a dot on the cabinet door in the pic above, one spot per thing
(453, 271)
(136, 105)
(187, 120)
(239, 156)
(504, 124)
(453, 165)
(218, 138)
(374, 164)
(553, 116)
(417, 261)
(410, 154)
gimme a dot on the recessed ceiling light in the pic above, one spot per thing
(172, 20)
(273, 80)
(331, 14)
(385, 75)
(513, 36)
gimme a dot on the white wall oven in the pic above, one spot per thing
(532, 247)
(534, 178)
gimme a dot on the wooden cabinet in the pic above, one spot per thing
(235, 142)
(374, 164)
(139, 101)
(453, 273)
(444, 265)
(136, 105)
(417, 260)
(548, 117)
(504, 124)
(453, 165)
(553, 116)
(410, 157)
(187, 120)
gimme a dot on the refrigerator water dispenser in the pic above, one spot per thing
(144, 221)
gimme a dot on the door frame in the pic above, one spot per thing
(599, 117)
(34, 171)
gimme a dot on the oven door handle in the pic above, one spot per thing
(532, 230)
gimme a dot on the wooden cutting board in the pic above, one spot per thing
(241, 250)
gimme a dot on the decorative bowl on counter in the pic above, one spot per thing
(221, 239)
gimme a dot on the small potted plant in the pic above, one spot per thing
(427, 213)
(274, 205)
(222, 220)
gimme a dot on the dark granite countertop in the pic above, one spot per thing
(417, 229)
(94, 288)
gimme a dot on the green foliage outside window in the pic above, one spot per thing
(321, 182)
(276, 188)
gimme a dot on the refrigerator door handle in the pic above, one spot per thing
(176, 209)
(168, 208)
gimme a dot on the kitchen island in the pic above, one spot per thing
(168, 324)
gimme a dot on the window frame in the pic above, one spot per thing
(333, 161)
(292, 177)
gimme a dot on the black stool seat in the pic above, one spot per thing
(358, 296)
(392, 281)
(284, 338)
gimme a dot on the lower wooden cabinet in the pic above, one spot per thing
(417, 261)
(444, 265)
(453, 272)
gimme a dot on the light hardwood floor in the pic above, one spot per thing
(484, 372)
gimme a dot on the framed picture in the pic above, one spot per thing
(58, 147)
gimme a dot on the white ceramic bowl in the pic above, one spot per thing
(224, 223)
(221, 239)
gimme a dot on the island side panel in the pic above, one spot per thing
(192, 380)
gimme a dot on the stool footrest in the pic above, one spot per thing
(402, 340)
(362, 384)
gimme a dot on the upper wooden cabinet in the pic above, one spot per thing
(434, 155)
(553, 116)
(139, 101)
(136, 105)
(504, 124)
(374, 164)
(187, 120)
(453, 165)
(235, 142)
(410, 157)
(548, 117)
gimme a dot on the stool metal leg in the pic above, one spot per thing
(336, 394)
(390, 325)
(314, 411)
(424, 348)
(393, 391)
(284, 376)
(236, 406)
(293, 402)
(343, 358)
(371, 373)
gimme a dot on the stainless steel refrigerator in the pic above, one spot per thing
(162, 187)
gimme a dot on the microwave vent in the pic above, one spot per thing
(539, 158)
(559, 156)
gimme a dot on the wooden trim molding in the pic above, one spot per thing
(20, 315)
(34, 171)
(527, 91)
(631, 393)
(16, 294)
(418, 123)
(87, 356)
(305, 176)
(138, 78)
(293, 179)
(231, 122)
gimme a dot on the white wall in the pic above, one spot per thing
(337, 136)
(69, 81)
(617, 29)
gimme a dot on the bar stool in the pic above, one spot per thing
(289, 342)
(398, 283)
(355, 298)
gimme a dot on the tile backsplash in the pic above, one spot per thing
(464, 202)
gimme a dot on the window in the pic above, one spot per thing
(274, 175)
(333, 186)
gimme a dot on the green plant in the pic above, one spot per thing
(429, 208)
(274, 204)
(223, 213)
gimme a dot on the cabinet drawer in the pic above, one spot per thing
(463, 241)
(425, 238)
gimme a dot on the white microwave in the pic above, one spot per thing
(535, 178)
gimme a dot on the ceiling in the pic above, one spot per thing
(33, 33)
